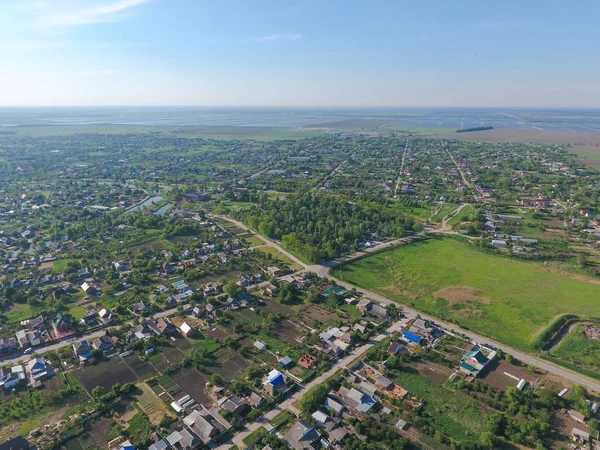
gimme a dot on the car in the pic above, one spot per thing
(29, 351)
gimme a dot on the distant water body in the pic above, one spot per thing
(543, 119)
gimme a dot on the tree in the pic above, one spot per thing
(232, 289)
(215, 379)
(313, 399)
(97, 392)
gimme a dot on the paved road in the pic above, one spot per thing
(323, 270)
(288, 404)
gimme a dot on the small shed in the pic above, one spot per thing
(286, 361)
(186, 329)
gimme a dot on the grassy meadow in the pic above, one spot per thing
(502, 298)
(577, 350)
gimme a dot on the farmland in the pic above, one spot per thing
(505, 299)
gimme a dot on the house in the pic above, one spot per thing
(91, 317)
(89, 288)
(334, 430)
(160, 445)
(28, 338)
(208, 425)
(401, 424)
(8, 345)
(275, 383)
(499, 243)
(106, 316)
(357, 401)
(103, 344)
(259, 345)
(335, 406)
(474, 361)
(58, 293)
(119, 265)
(320, 418)
(255, 400)
(84, 273)
(37, 323)
(580, 435)
(273, 271)
(83, 352)
(127, 445)
(302, 436)
(160, 289)
(338, 290)
(37, 369)
(368, 307)
(307, 361)
(9, 378)
(186, 329)
(16, 443)
(183, 440)
(411, 337)
(211, 289)
(233, 404)
(139, 308)
(165, 327)
(576, 416)
(394, 348)
(384, 383)
(286, 361)
(63, 326)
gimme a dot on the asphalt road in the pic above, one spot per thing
(323, 270)
(288, 404)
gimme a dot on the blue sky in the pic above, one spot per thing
(300, 53)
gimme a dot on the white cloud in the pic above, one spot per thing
(278, 37)
(101, 13)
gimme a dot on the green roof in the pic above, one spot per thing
(469, 367)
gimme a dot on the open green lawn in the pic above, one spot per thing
(21, 312)
(280, 256)
(351, 310)
(453, 413)
(257, 434)
(78, 312)
(60, 265)
(577, 350)
(462, 216)
(446, 209)
(503, 298)
(418, 212)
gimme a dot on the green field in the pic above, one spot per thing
(446, 209)
(462, 216)
(206, 132)
(502, 298)
(453, 413)
(577, 350)
(21, 312)
(280, 256)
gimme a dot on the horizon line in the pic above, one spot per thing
(302, 106)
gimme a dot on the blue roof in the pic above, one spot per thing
(411, 337)
(276, 380)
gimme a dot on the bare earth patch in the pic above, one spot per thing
(396, 290)
(460, 295)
